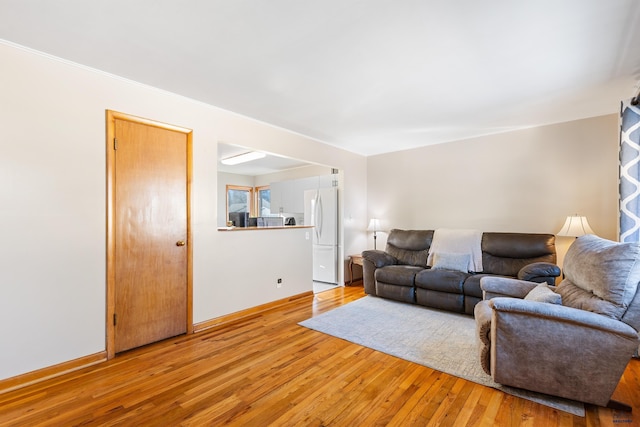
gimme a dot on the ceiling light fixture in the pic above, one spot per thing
(242, 158)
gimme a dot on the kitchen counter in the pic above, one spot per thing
(263, 228)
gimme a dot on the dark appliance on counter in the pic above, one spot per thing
(289, 221)
(239, 219)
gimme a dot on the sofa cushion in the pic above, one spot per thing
(441, 280)
(440, 300)
(399, 275)
(542, 293)
(410, 247)
(600, 275)
(396, 293)
(451, 261)
(470, 303)
(506, 253)
(472, 284)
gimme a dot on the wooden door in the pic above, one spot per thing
(150, 236)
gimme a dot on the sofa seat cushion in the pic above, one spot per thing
(396, 293)
(450, 281)
(600, 275)
(440, 300)
(470, 303)
(472, 284)
(399, 275)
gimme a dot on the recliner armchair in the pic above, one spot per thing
(578, 349)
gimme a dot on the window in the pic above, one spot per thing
(239, 199)
(263, 202)
(255, 201)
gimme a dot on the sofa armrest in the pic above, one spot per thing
(493, 287)
(560, 313)
(558, 350)
(540, 272)
(371, 261)
(482, 313)
(379, 258)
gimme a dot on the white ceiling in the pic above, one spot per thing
(370, 76)
(269, 164)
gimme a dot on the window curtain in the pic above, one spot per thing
(629, 172)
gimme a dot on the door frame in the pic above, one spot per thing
(111, 117)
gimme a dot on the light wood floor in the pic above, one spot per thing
(269, 371)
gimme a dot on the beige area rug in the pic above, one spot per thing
(437, 339)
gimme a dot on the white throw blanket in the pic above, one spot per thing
(458, 241)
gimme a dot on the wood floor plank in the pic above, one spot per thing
(446, 414)
(392, 399)
(265, 369)
(465, 415)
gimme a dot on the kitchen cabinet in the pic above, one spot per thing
(288, 196)
(284, 197)
(327, 181)
(276, 206)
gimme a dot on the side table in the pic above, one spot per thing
(354, 259)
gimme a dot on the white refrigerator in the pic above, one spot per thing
(321, 211)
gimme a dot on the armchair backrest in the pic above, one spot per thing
(410, 247)
(602, 276)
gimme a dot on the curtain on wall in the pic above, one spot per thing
(629, 172)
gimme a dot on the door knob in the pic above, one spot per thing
(180, 243)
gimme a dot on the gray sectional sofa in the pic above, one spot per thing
(400, 272)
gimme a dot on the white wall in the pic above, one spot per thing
(247, 276)
(294, 173)
(52, 207)
(523, 181)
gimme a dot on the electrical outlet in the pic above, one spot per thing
(279, 283)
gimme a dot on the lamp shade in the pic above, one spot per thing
(575, 226)
(374, 224)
